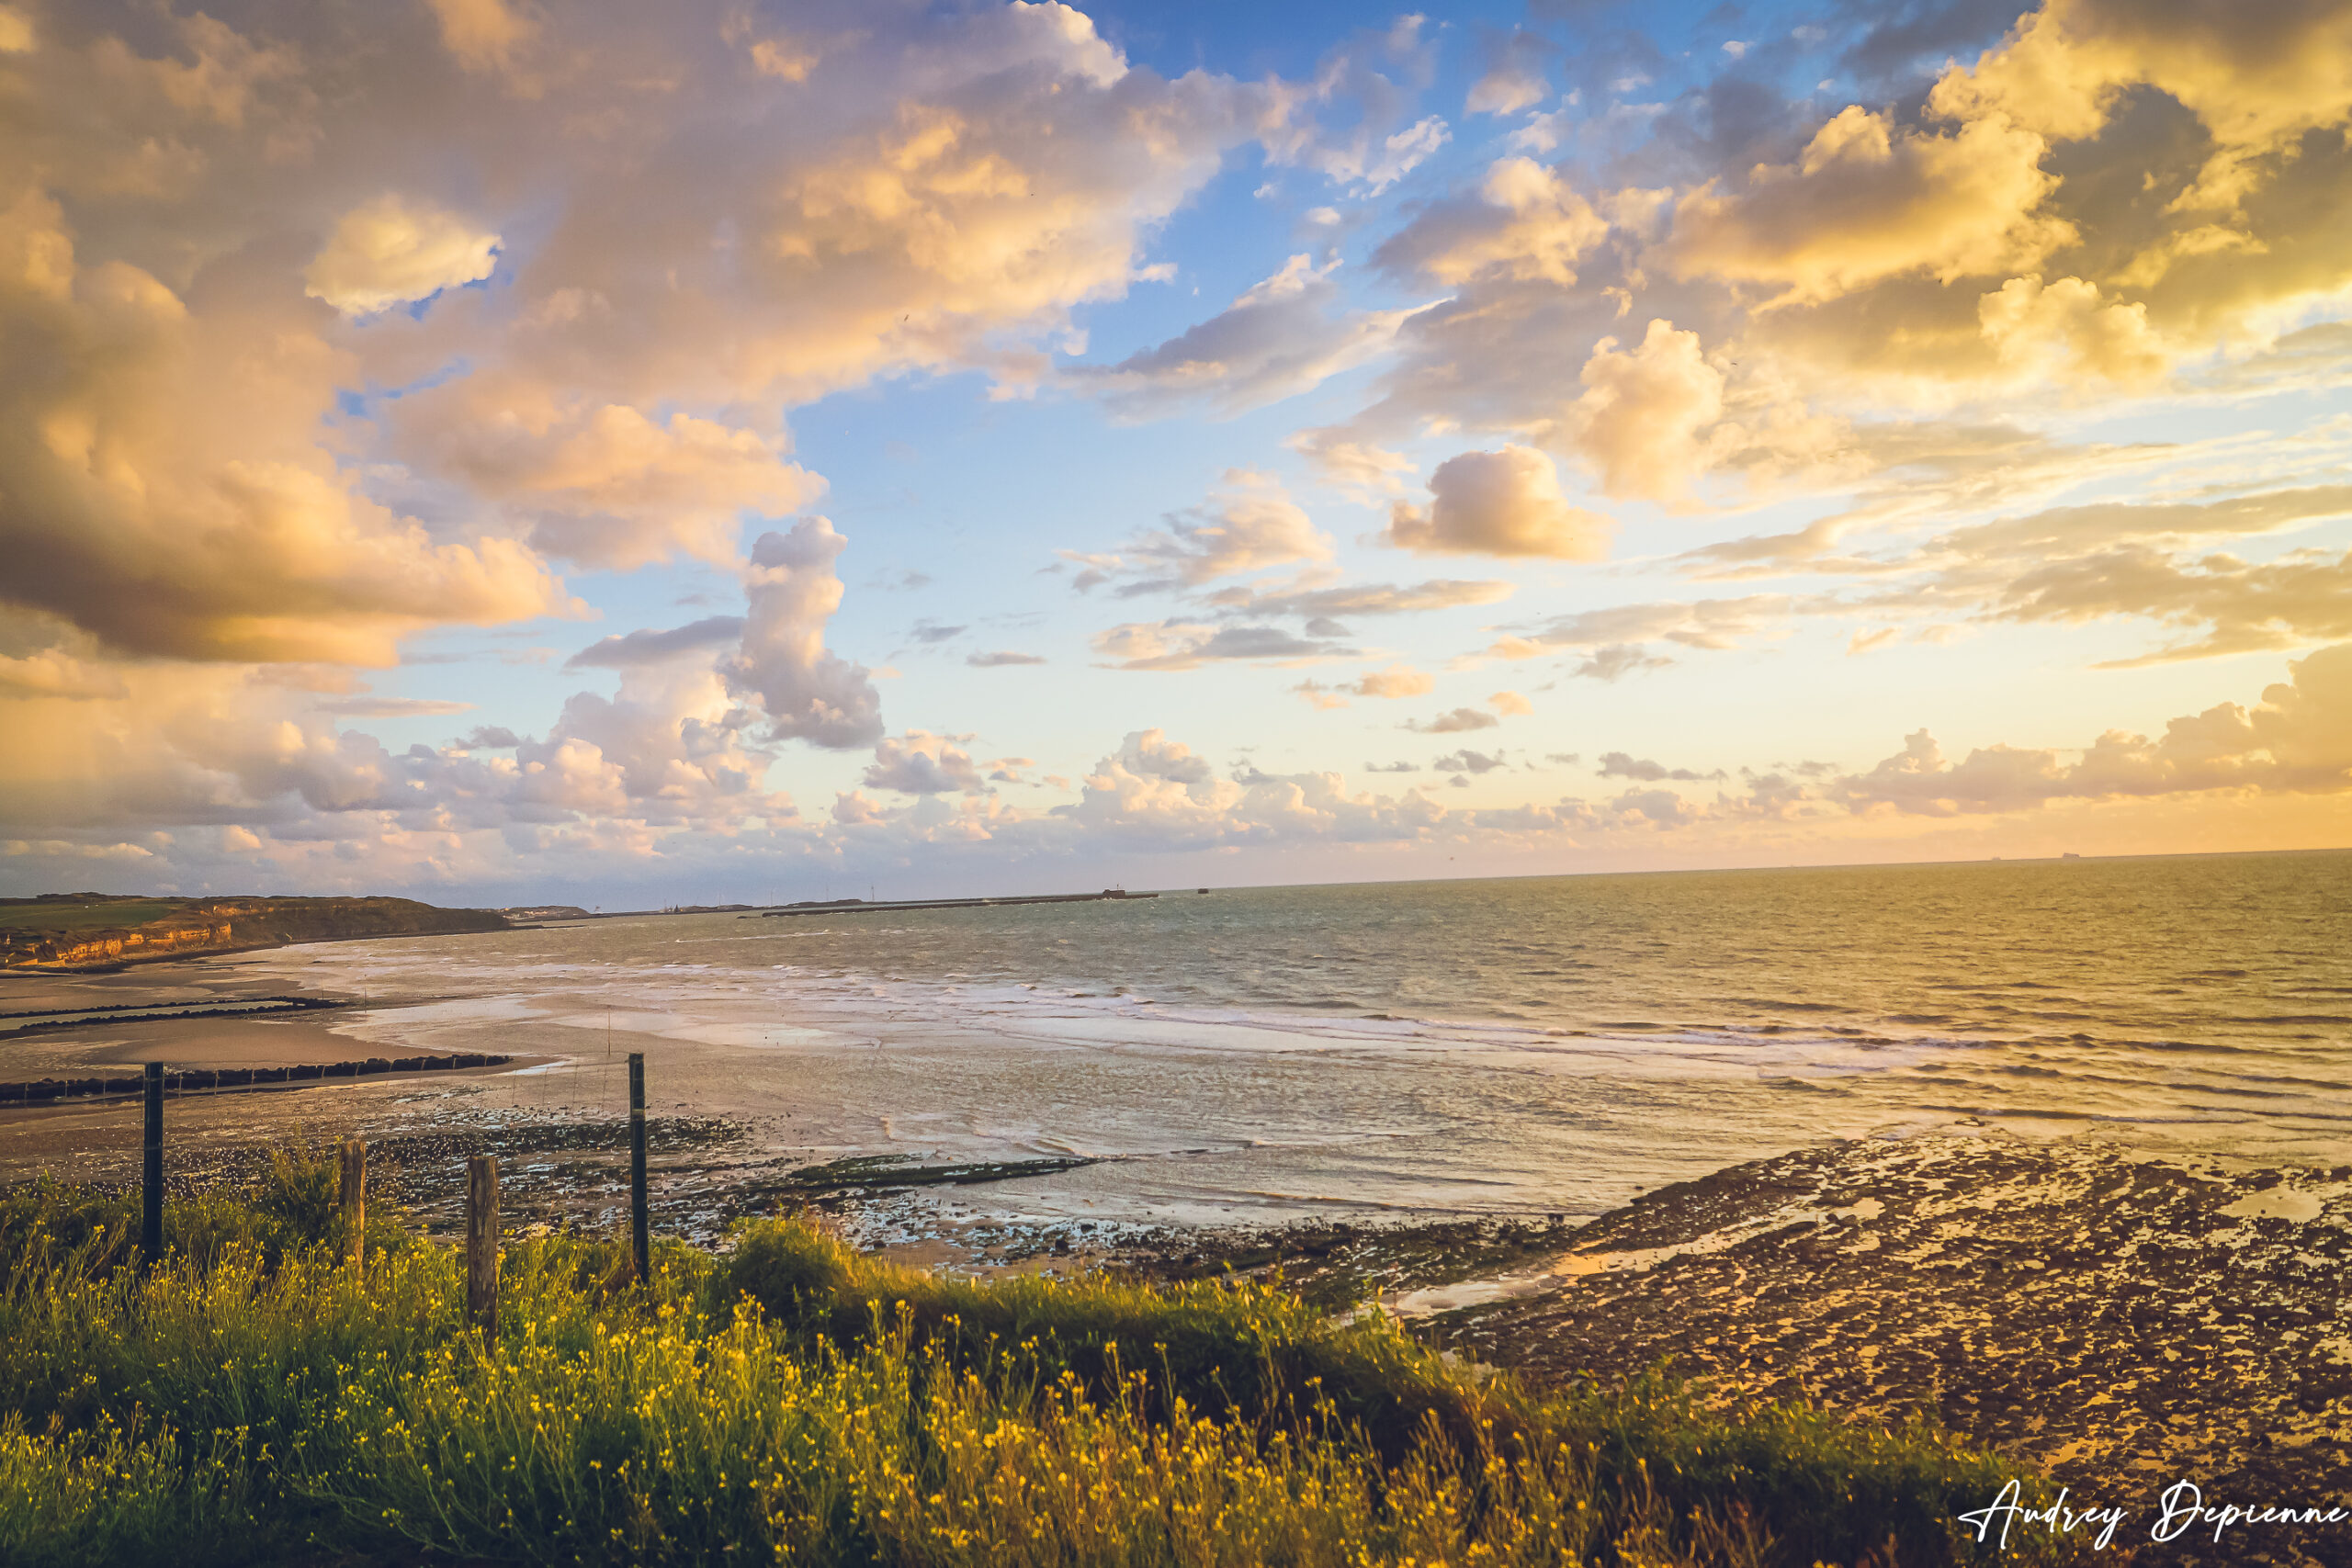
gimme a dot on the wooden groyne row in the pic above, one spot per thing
(205, 1078)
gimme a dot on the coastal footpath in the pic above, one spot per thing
(65, 932)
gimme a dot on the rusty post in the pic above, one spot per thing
(355, 1201)
(481, 1243)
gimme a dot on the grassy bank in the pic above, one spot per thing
(250, 1399)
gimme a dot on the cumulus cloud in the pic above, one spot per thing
(1279, 338)
(394, 252)
(2069, 328)
(1642, 409)
(1505, 502)
(808, 693)
(922, 763)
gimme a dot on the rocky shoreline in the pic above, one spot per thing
(2118, 1320)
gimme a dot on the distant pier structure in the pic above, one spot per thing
(866, 907)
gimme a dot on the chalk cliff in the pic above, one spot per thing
(88, 931)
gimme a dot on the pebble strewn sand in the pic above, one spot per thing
(2123, 1320)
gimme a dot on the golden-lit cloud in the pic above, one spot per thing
(1643, 412)
(2257, 80)
(166, 487)
(1869, 200)
(392, 251)
(1504, 503)
(2065, 328)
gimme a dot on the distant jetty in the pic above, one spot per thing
(865, 906)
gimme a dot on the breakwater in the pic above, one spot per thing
(41, 1091)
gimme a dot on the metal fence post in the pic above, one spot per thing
(640, 1236)
(150, 1218)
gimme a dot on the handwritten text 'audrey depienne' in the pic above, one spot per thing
(2181, 1509)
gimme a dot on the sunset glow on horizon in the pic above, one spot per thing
(503, 453)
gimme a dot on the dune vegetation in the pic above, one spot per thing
(252, 1397)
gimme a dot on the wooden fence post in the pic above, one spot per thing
(640, 1236)
(355, 1201)
(481, 1243)
(151, 1175)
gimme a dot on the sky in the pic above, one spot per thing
(715, 452)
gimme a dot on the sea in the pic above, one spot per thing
(1520, 1047)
